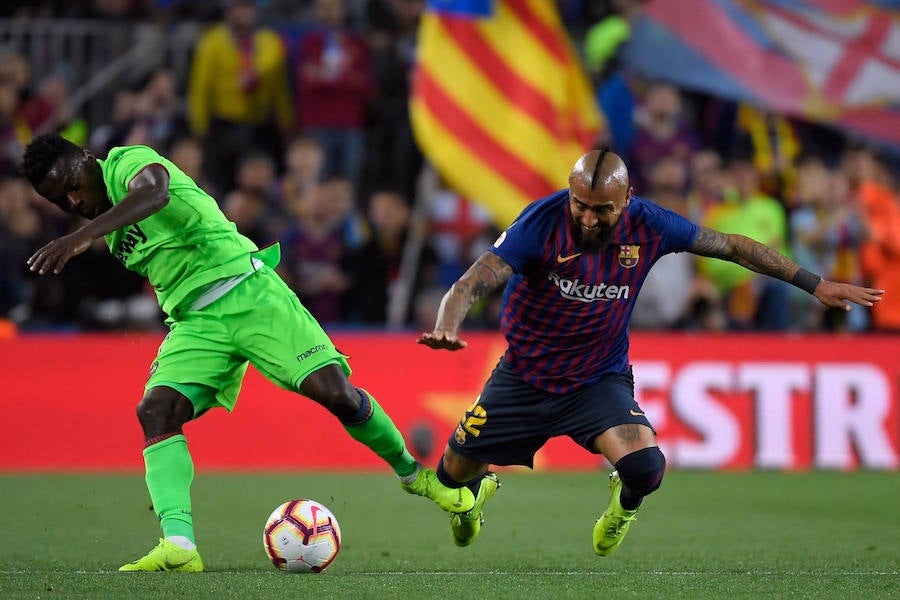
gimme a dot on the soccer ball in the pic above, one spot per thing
(302, 536)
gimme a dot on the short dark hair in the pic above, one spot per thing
(604, 150)
(41, 154)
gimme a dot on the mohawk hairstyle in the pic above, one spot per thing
(42, 153)
(604, 150)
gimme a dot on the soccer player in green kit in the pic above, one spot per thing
(226, 308)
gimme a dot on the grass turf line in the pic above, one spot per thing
(703, 535)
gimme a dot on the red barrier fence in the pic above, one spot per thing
(735, 402)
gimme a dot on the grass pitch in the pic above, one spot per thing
(703, 535)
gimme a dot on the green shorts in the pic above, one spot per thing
(260, 322)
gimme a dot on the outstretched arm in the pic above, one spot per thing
(148, 193)
(760, 258)
(486, 275)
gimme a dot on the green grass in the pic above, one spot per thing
(703, 535)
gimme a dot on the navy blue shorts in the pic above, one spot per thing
(512, 419)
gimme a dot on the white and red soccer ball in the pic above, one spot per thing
(302, 536)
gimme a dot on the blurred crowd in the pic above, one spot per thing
(294, 116)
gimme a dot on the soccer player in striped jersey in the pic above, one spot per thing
(572, 264)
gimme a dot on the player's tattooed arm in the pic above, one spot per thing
(744, 251)
(762, 259)
(486, 275)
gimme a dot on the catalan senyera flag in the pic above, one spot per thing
(500, 104)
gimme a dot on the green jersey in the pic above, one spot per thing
(185, 246)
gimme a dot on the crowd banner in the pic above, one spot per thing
(830, 61)
(734, 402)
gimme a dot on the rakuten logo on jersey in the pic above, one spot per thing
(573, 289)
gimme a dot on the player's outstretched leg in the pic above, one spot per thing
(465, 527)
(424, 482)
(167, 556)
(374, 428)
(613, 524)
(637, 474)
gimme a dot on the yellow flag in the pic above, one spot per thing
(501, 105)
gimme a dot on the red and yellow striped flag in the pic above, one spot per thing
(500, 103)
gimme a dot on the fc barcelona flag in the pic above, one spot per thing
(501, 105)
(831, 61)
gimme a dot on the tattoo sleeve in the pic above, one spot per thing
(744, 251)
(486, 275)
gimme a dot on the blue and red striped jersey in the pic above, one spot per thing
(565, 312)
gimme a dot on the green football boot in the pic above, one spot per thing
(167, 556)
(449, 499)
(613, 524)
(465, 527)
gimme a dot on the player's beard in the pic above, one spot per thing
(595, 240)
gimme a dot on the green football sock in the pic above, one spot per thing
(169, 472)
(380, 434)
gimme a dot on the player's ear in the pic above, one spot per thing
(628, 197)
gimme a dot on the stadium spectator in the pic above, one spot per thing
(253, 205)
(377, 264)
(238, 95)
(774, 144)
(152, 116)
(880, 253)
(393, 159)
(317, 248)
(666, 301)
(604, 39)
(20, 232)
(826, 231)
(117, 129)
(567, 353)
(166, 115)
(334, 83)
(661, 130)
(49, 110)
(706, 183)
(14, 130)
(187, 154)
(603, 43)
(14, 67)
(210, 284)
(752, 302)
(303, 170)
(16, 70)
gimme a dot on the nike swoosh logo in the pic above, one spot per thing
(561, 259)
(635, 413)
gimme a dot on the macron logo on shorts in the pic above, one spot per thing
(311, 351)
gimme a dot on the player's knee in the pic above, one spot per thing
(344, 402)
(329, 387)
(642, 471)
(163, 410)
